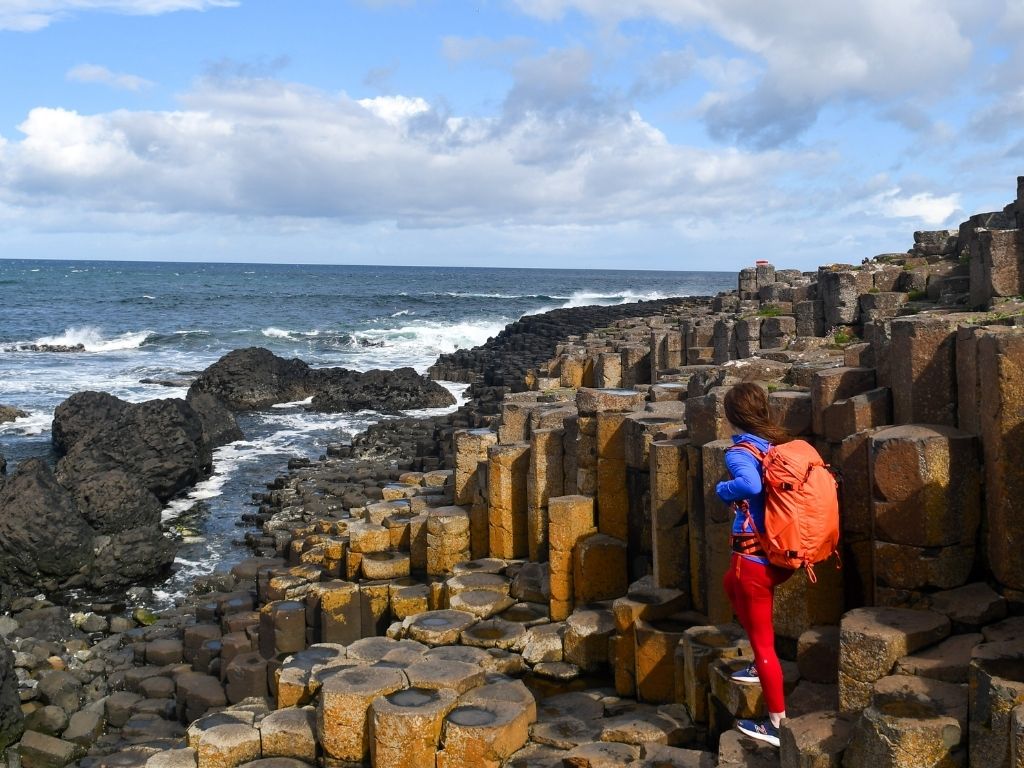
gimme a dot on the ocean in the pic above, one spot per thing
(162, 322)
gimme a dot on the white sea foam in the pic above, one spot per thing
(276, 333)
(282, 333)
(418, 344)
(92, 339)
(294, 403)
(467, 295)
(36, 423)
(584, 298)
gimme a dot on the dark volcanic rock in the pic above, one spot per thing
(10, 413)
(219, 423)
(43, 539)
(253, 378)
(114, 501)
(12, 722)
(387, 391)
(82, 414)
(128, 557)
(160, 442)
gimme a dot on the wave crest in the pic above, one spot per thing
(92, 340)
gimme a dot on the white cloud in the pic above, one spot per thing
(272, 149)
(923, 206)
(33, 15)
(395, 110)
(93, 73)
(812, 54)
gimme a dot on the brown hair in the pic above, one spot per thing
(746, 407)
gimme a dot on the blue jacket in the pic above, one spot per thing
(746, 483)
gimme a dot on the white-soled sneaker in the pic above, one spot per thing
(762, 730)
(746, 675)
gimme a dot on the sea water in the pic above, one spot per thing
(148, 328)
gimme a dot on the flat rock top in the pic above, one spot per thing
(893, 621)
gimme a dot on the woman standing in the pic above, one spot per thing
(751, 580)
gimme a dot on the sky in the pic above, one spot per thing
(634, 134)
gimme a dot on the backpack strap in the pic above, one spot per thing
(751, 540)
(750, 448)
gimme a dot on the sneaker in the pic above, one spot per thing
(763, 730)
(746, 675)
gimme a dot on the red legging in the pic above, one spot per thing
(751, 589)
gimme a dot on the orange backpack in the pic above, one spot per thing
(801, 506)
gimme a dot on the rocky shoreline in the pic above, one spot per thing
(533, 580)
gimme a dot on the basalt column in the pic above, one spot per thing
(610, 407)
(716, 554)
(570, 519)
(669, 514)
(1001, 366)
(544, 480)
(508, 466)
(923, 369)
(926, 508)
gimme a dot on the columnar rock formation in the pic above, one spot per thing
(484, 614)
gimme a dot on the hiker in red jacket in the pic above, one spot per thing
(751, 580)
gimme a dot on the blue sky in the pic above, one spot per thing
(662, 134)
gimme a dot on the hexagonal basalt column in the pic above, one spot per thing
(544, 480)
(923, 364)
(385, 565)
(507, 469)
(872, 640)
(570, 519)
(926, 484)
(470, 449)
(670, 513)
(342, 714)
(599, 569)
(700, 648)
(282, 627)
(405, 727)
(290, 733)
(438, 627)
(996, 690)
(447, 539)
(586, 638)
(483, 734)
(1002, 422)
(911, 723)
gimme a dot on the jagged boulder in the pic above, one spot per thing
(131, 556)
(12, 723)
(377, 390)
(82, 414)
(161, 443)
(115, 501)
(44, 541)
(253, 378)
(219, 424)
